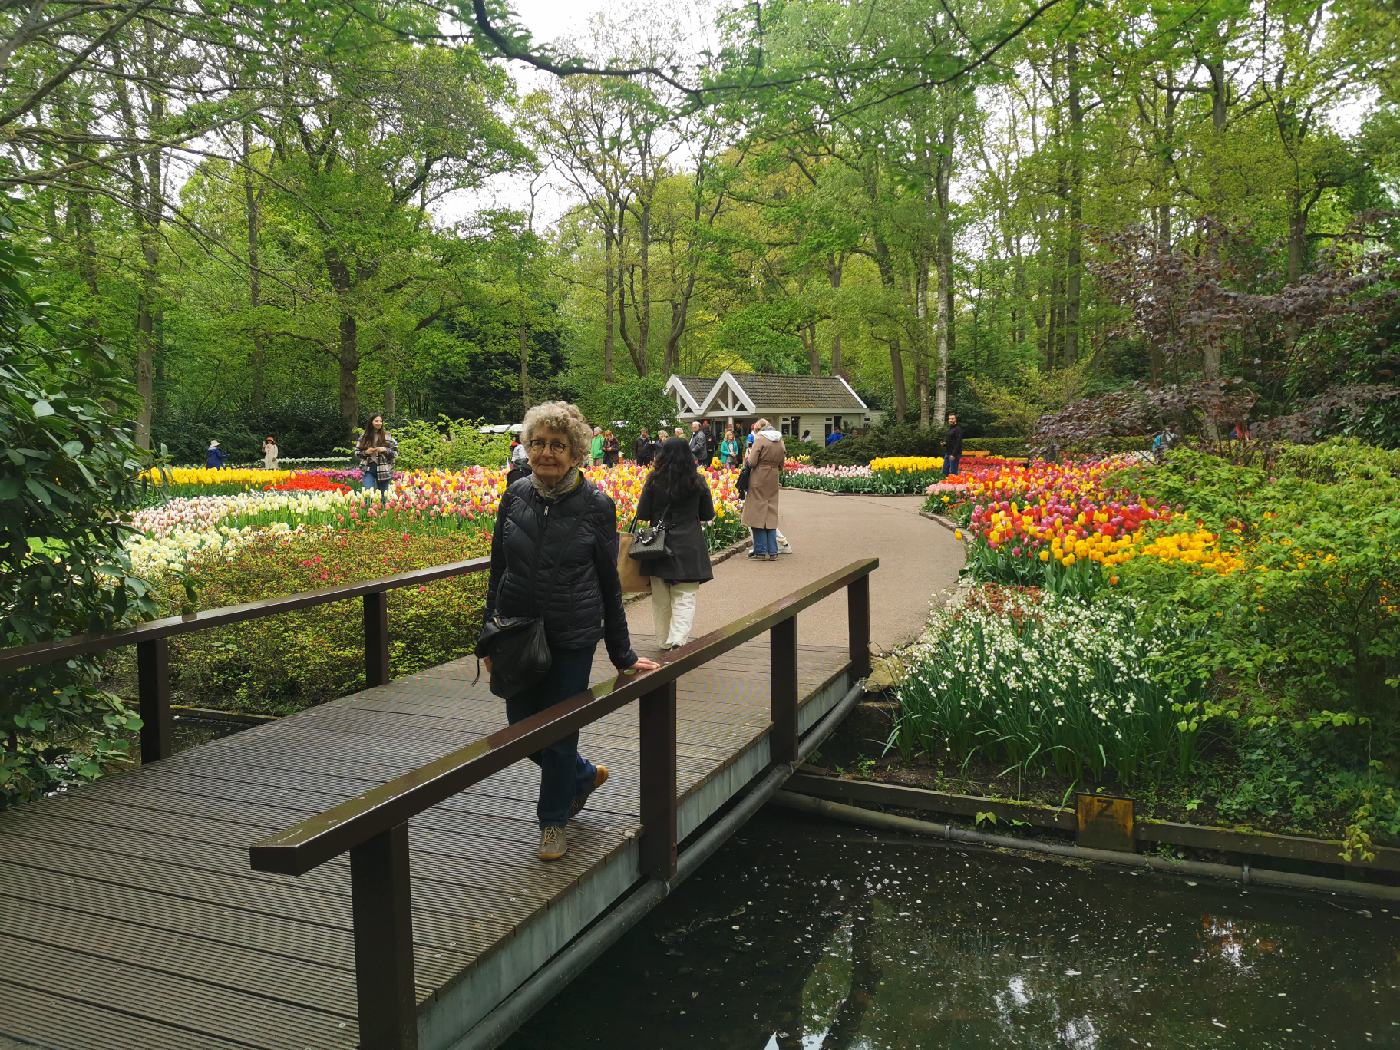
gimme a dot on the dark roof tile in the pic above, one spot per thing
(827, 393)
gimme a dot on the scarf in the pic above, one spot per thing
(554, 493)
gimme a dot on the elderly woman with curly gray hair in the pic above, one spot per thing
(554, 556)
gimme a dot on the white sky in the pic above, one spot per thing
(549, 21)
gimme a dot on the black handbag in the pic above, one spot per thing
(517, 645)
(519, 652)
(649, 541)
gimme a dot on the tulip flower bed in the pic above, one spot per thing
(432, 503)
(1242, 626)
(889, 476)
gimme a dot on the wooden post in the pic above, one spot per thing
(153, 678)
(782, 682)
(381, 902)
(656, 713)
(376, 639)
(858, 620)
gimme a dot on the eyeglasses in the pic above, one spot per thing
(539, 445)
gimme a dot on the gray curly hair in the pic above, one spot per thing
(563, 418)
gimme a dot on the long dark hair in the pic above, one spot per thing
(378, 434)
(674, 476)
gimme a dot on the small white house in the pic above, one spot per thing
(799, 406)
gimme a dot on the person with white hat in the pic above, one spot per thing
(214, 458)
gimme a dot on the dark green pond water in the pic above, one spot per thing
(797, 935)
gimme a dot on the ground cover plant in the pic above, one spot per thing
(1276, 584)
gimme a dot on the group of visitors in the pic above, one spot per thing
(214, 455)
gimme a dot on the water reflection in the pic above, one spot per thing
(798, 937)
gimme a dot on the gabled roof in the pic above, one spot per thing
(824, 393)
(693, 389)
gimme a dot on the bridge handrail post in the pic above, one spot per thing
(858, 625)
(782, 687)
(381, 904)
(153, 691)
(376, 638)
(656, 715)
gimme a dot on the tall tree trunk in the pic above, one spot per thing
(1297, 235)
(814, 353)
(944, 255)
(833, 272)
(253, 220)
(147, 302)
(1074, 256)
(922, 333)
(634, 348)
(901, 394)
(668, 365)
(885, 265)
(523, 337)
(348, 349)
(1163, 210)
(609, 318)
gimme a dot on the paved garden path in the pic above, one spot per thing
(918, 559)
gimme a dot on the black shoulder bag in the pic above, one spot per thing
(517, 646)
(649, 541)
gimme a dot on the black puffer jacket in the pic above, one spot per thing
(559, 560)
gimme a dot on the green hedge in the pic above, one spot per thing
(285, 663)
(996, 446)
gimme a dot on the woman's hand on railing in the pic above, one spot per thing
(642, 666)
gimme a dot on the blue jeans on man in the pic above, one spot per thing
(951, 464)
(564, 773)
(765, 541)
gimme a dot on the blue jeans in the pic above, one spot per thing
(951, 464)
(372, 482)
(765, 541)
(564, 773)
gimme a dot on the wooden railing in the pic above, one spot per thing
(152, 641)
(373, 826)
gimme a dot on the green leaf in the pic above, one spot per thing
(42, 409)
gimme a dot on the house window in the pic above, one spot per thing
(788, 425)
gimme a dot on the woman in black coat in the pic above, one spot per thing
(554, 556)
(678, 495)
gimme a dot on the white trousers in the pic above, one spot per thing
(673, 607)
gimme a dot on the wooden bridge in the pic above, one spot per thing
(363, 873)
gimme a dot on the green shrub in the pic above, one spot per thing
(448, 445)
(1004, 446)
(888, 439)
(1312, 624)
(284, 663)
(67, 475)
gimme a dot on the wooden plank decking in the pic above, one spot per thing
(129, 916)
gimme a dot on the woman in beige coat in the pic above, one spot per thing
(765, 462)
